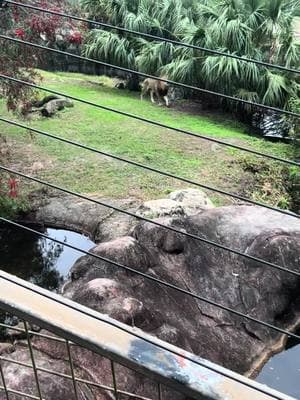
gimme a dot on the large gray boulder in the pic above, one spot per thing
(234, 281)
(21, 378)
(223, 277)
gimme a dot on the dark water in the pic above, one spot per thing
(39, 260)
(282, 372)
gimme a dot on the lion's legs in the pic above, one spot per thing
(152, 96)
(143, 92)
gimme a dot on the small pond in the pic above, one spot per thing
(39, 260)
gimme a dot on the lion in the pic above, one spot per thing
(156, 87)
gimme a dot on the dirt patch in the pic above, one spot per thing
(189, 106)
(197, 107)
(26, 158)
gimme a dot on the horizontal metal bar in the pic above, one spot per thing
(21, 363)
(160, 361)
(33, 333)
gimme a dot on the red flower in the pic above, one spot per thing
(75, 37)
(20, 33)
(13, 186)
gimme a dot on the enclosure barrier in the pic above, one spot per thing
(73, 325)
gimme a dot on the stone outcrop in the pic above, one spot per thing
(192, 200)
(94, 220)
(160, 208)
(101, 223)
(212, 273)
(180, 203)
(231, 280)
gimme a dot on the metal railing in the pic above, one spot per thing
(172, 373)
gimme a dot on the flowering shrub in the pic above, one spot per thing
(13, 188)
(31, 25)
(9, 187)
(20, 61)
(20, 33)
(11, 202)
(75, 38)
(44, 26)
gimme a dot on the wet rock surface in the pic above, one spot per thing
(244, 285)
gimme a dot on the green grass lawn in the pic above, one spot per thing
(87, 172)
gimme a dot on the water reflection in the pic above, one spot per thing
(282, 372)
(38, 260)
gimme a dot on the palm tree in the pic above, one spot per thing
(166, 19)
(259, 29)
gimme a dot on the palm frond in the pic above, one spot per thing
(277, 90)
(182, 70)
(246, 95)
(109, 47)
(154, 55)
(258, 29)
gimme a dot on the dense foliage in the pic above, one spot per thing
(259, 29)
(21, 61)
